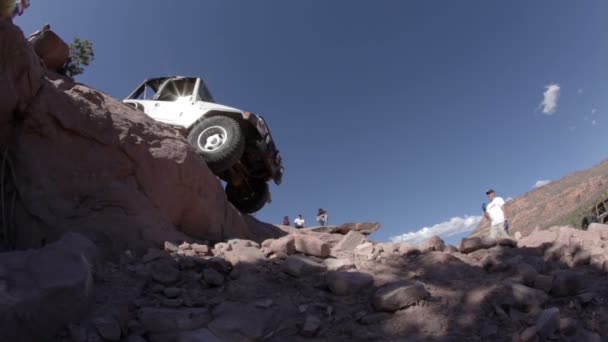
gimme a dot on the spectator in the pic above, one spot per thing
(322, 217)
(497, 214)
(286, 221)
(299, 222)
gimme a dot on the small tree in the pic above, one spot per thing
(81, 54)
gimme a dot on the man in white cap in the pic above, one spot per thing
(497, 214)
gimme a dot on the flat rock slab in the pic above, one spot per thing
(348, 283)
(300, 266)
(245, 254)
(364, 228)
(347, 245)
(243, 322)
(339, 264)
(395, 296)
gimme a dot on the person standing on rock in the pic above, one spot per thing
(299, 222)
(286, 221)
(497, 214)
(322, 217)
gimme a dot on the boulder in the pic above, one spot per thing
(364, 251)
(347, 245)
(600, 229)
(450, 249)
(491, 263)
(348, 283)
(364, 228)
(311, 245)
(238, 251)
(547, 322)
(164, 271)
(580, 257)
(527, 272)
(434, 243)
(45, 289)
(283, 246)
(507, 242)
(339, 264)
(525, 297)
(470, 245)
(395, 296)
(566, 283)
(311, 326)
(406, 248)
(301, 266)
(529, 334)
(200, 249)
(543, 282)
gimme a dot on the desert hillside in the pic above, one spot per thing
(563, 202)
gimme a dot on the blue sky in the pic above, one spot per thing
(391, 111)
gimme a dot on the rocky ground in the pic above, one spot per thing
(320, 286)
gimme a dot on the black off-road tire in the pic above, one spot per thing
(219, 140)
(246, 201)
(587, 221)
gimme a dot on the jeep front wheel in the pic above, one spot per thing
(219, 141)
(249, 199)
(588, 221)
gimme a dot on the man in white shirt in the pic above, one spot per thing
(497, 214)
(299, 222)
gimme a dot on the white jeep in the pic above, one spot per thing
(236, 145)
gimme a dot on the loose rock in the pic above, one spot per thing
(348, 283)
(395, 296)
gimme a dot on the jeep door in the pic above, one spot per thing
(174, 99)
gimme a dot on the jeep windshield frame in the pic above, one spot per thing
(172, 89)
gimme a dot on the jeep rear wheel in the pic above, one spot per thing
(219, 141)
(248, 199)
(588, 221)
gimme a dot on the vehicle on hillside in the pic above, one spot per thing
(237, 145)
(597, 214)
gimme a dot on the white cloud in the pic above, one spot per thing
(580, 90)
(550, 98)
(593, 122)
(454, 226)
(540, 183)
(593, 111)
